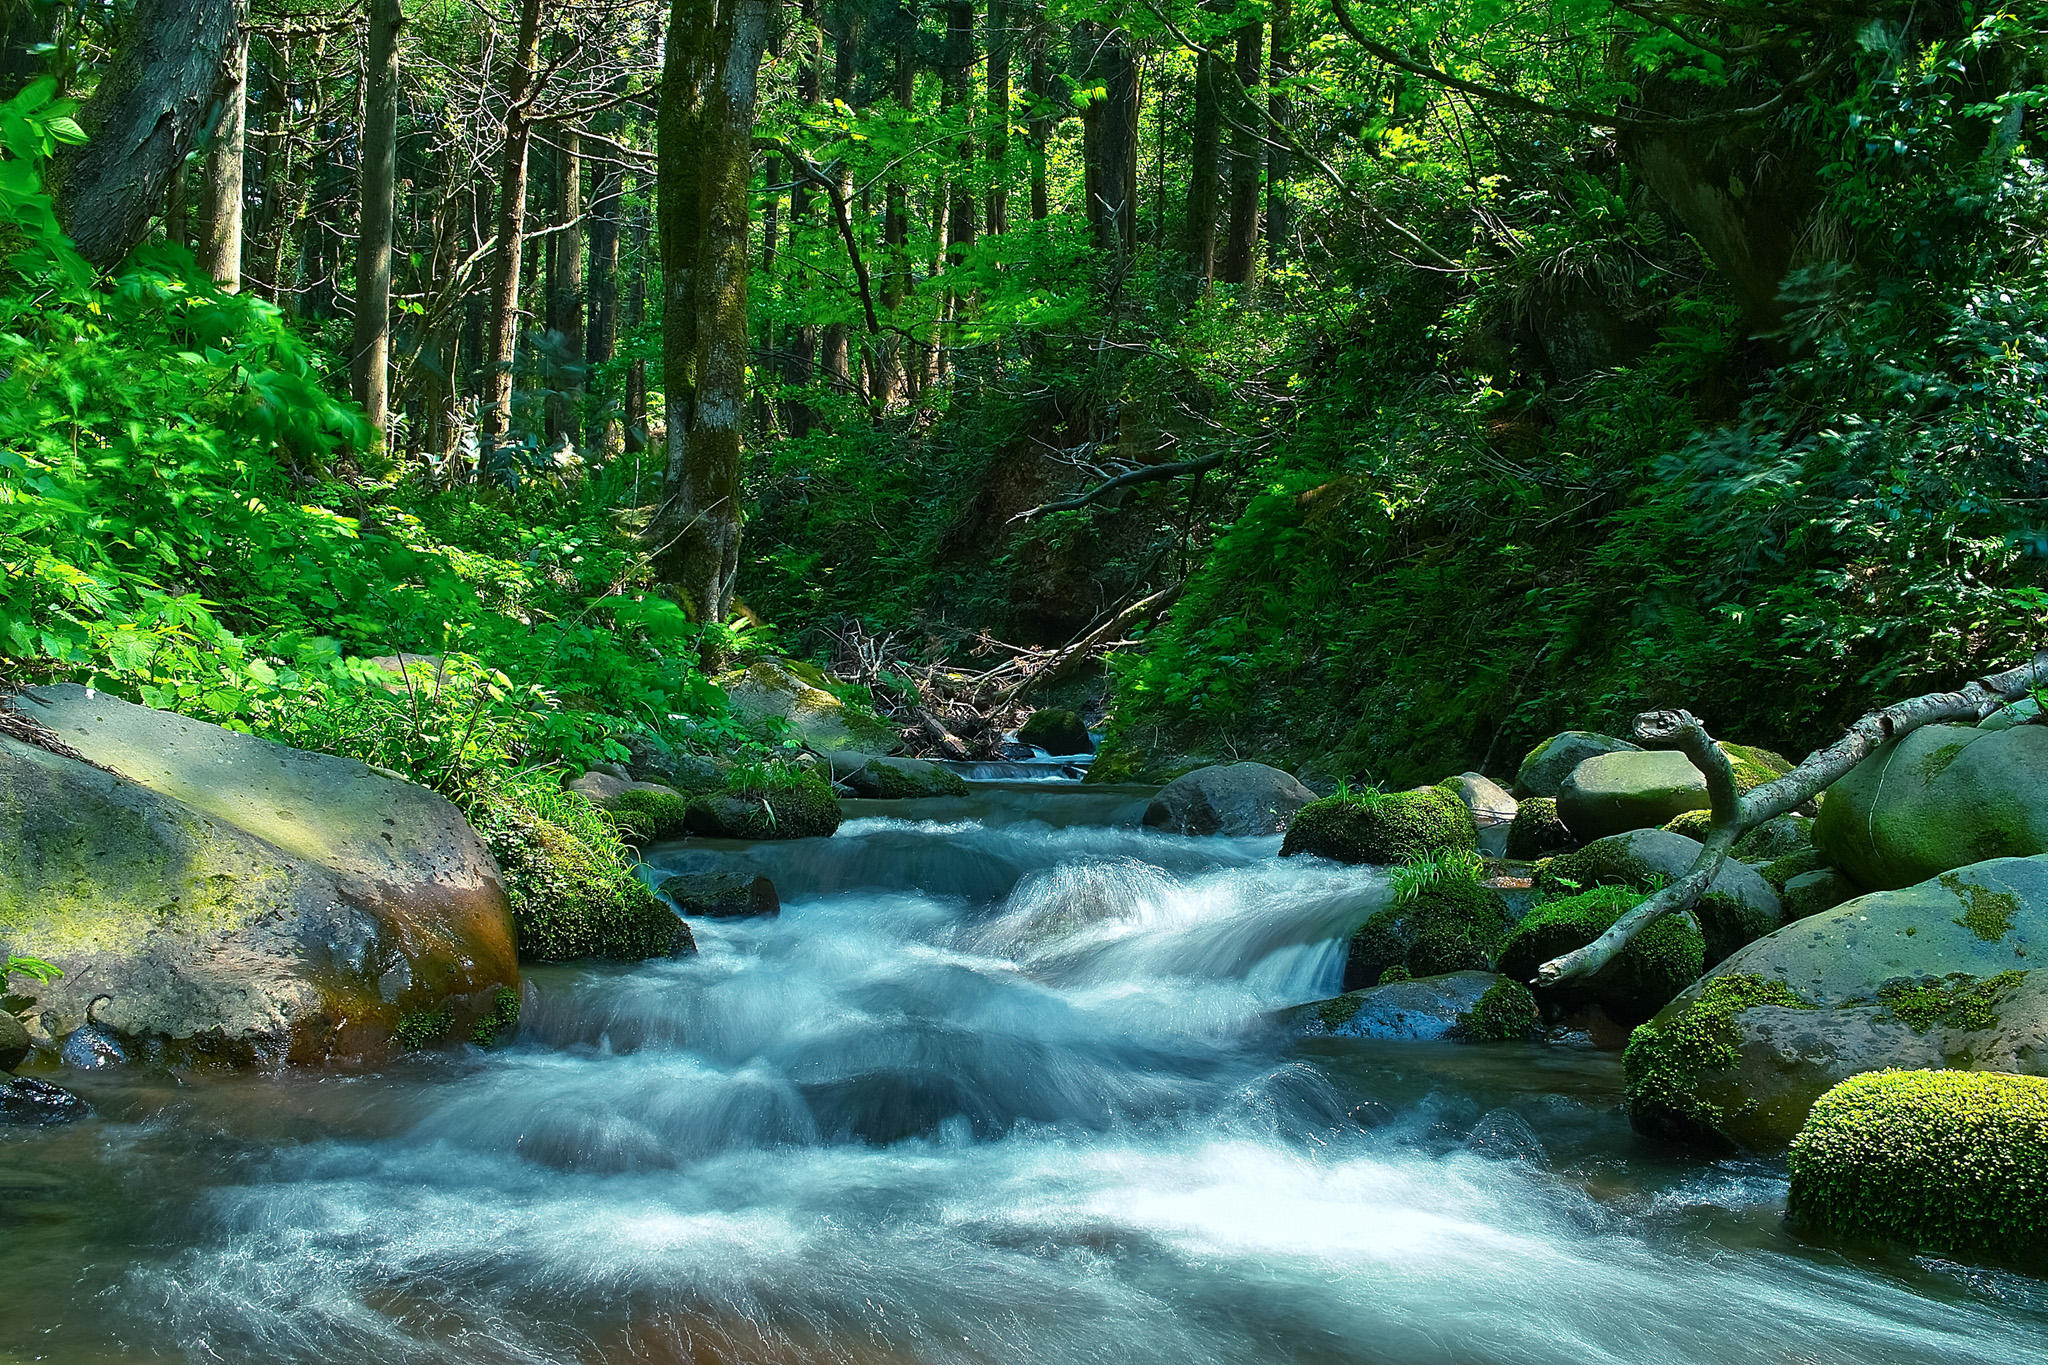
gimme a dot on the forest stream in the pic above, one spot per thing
(1005, 1081)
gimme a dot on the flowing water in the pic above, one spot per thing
(1003, 1084)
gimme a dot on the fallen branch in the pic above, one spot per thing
(1732, 816)
(1151, 473)
(1071, 658)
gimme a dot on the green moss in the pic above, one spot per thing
(504, 1016)
(421, 1027)
(643, 815)
(895, 784)
(1935, 762)
(1604, 862)
(1449, 926)
(1505, 1014)
(1958, 1000)
(1944, 1160)
(1754, 767)
(1659, 963)
(1537, 832)
(1666, 1057)
(1774, 839)
(570, 902)
(1335, 1014)
(1792, 865)
(1381, 827)
(794, 807)
(1729, 923)
(1986, 913)
(1693, 824)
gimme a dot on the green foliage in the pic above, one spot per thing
(1505, 1014)
(32, 967)
(422, 1028)
(1382, 827)
(1667, 1057)
(1948, 1161)
(1456, 867)
(1658, 963)
(503, 1018)
(1958, 1001)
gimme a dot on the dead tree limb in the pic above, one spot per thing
(1070, 658)
(1151, 473)
(1731, 815)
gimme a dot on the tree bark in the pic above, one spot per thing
(495, 417)
(370, 349)
(1247, 161)
(609, 188)
(1280, 109)
(1731, 815)
(1109, 142)
(996, 210)
(959, 96)
(1204, 149)
(834, 360)
(220, 245)
(142, 120)
(636, 433)
(709, 96)
(24, 25)
(565, 384)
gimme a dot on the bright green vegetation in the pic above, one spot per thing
(423, 1028)
(1667, 1056)
(1382, 827)
(771, 802)
(503, 1018)
(1959, 1000)
(1537, 832)
(1505, 1014)
(643, 815)
(1940, 1160)
(1986, 913)
(572, 895)
(1657, 964)
(1442, 920)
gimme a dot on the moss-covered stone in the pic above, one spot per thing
(1753, 766)
(1667, 1056)
(1537, 832)
(1809, 893)
(782, 696)
(1056, 731)
(1661, 961)
(1694, 824)
(1774, 839)
(644, 816)
(1730, 922)
(799, 808)
(569, 903)
(1381, 827)
(1647, 859)
(1545, 767)
(1505, 1014)
(1795, 864)
(1958, 1000)
(1453, 925)
(503, 1019)
(895, 779)
(1944, 1160)
(1611, 793)
(423, 1028)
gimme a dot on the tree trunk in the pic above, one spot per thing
(1109, 143)
(275, 169)
(958, 96)
(220, 245)
(1039, 79)
(709, 94)
(833, 358)
(145, 116)
(888, 365)
(565, 385)
(1247, 161)
(1280, 108)
(997, 208)
(370, 350)
(609, 188)
(636, 433)
(495, 418)
(1204, 147)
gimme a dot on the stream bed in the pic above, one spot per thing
(1003, 1083)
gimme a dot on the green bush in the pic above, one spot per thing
(1949, 1161)
(1659, 963)
(1505, 1014)
(1381, 827)
(1667, 1057)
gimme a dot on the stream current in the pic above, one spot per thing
(1003, 1083)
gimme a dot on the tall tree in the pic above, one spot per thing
(1000, 46)
(370, 348)
(1280, 109)
(143, 118)
(1109, 140)
(1204, 153)
(566, 302)
(220, 243)
(1247, 158)
(608, 190)
(1038, 79)
(495, 418)
(709, 95)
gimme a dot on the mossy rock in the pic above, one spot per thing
(1948, 1161)
(1647, 859)
(1421, 1009)
(1451, 926)
(1056, 731)
(1754, 767)
(1537, 832)
(569, 903)
(772, 693)
(1659, 963)
(644, 816)
(1809, 893)
(1774, 839)
(1612, 793)
(722, 895)
(896, 779)
(1694, 824)
(1797, 863)
(1507, 1013)
(1545, 767)
(801, 809)
(1381, 827)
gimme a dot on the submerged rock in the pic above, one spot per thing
(1381, 827)
(1236, 800)
(722, 895)
(1943, 797)
(1931, 976)
(233, 898)
(1425, 1008)
(14, 1042)
(1547, 765)
(25, 1100)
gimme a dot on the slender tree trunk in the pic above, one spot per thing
(888, 366)
(495, 419)
(1109, 143)
(958, 96)
(1280, 108)
(144, 117)
(178, 210)
(609, 186)
(370, 351)
(1039, 80)
(1000, 45)
(1204, 146)
(800, 346)
(1247, 161)
(637, 436)
(276, 167)
(565, 385)
(833, 358)
(709, 95)
(220, 246)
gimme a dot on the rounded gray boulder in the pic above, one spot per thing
(1235, 799)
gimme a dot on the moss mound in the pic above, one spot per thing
(800, 807)
(1728, 923)
(1952, 1160)
(1694, 824)
(1662, 961)
(1451, 925)
(1056, 732)
(1774, 839)
(1537, 832)
(892, 781)
(1604, 862)
(1382, 827)
(1754, 767)
(569, 901)
(644, 816)
(1795, 864)
(1666, 1058)
(1505, 1014)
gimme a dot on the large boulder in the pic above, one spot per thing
(1449, 924)
(777, 693)
(1491, 808)
(1547, 765)
(1739, 905)
(894, 779)
(1536, 832)
(1930, 976)
(1234, 799)
(1056, 731)
(1942, 797)
(1658, 964)
(234, 898)
(1610, 793)
(1381, 827)
(1426, 1008)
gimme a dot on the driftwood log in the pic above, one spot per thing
(1733, 814)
